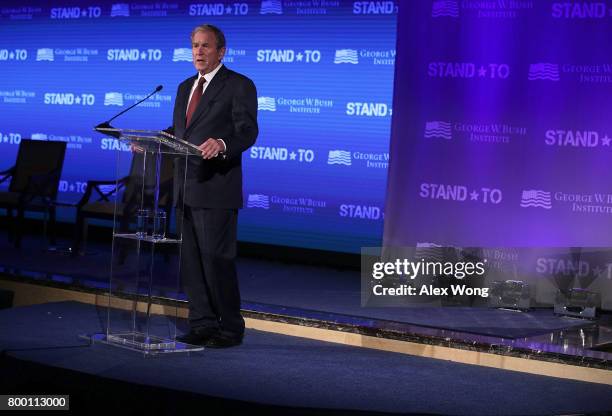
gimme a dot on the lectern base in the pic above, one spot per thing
(149, 345)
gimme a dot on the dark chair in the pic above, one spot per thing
(34, 183)
(133, 192)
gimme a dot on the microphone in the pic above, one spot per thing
(106, 124)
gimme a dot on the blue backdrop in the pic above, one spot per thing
(323, 69)
(503, 131)
(502, 135)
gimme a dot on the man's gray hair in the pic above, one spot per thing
(215, 30)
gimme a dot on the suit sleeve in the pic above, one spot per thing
(244, 119)
(171, 129)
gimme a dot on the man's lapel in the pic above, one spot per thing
(215, 87)
(183, 100)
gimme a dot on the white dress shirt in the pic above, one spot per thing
(208, 77)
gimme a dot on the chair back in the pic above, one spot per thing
(38, 167)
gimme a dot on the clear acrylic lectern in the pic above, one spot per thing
(146, 251)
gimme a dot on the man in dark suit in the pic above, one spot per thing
(217, 111)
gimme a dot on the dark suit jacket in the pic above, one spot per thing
(228, 111)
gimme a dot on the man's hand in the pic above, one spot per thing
(211, 148)
(136, 148)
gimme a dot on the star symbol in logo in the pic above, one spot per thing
(474, 196)
(606, 140)
(482, 71)
(597, 271)
(299, 56)
(5, 138)
(143, 55)
(78, 100)
(228, 10)
(71, 187)
(84, 12)
(292, 155)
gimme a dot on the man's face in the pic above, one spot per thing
(206, 57)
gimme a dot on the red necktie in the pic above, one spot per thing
(195, 99)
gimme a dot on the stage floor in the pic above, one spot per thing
(285, 375)
(330, 298)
